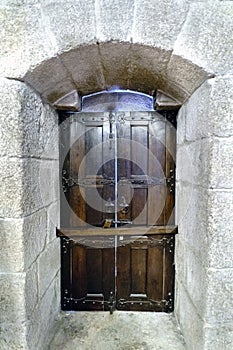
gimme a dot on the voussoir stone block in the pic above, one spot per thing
(201, 38)
(85, 67)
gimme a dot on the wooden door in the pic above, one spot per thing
(118, 231)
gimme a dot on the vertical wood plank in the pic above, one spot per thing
(157, 169)
(123, 272)
(79, 272)
(94, 271)
(139, 166)
(77, 168)
(138, 270)
(155, 273)
(170, 170)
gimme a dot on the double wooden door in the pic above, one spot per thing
(117, 211)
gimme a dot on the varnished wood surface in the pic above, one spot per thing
(121, 231)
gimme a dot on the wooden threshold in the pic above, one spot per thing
(120, 231)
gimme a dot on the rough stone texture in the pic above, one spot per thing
(77, 20)
(184, 74)
(33, 42)
(191, 323)
(12, 312)
(122, 330)
(204, 213)
(43, 317)
(85, 68)
(48, 265)
(108, 16)
(26, 123)
(34, 229)
(221, 171)
(193, 162)
(191, 273)
(156, 23)
(222, 105)
(53, 220)
(219, 309)
(11, 243)
(216, 338)
(201, 38)
(192, 219)
(29, 163)
(220, 253)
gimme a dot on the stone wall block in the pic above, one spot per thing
(12, 294)
(191, 272)
(48, 265)
(221, 105)
(181, 126)
(201, 38)
(44, 316)
(11, 243)
(11, 174)
(26, 123)
(219, 337)
(190, 322)
(192, 218)
(193, 160)
(30, 44)
(155, 22)
(77, 20)
(220, 253)
(198, 121)
(117, 26)
(219, 307)
(31, 289)
(221, 170)
(35, 229)
(53, 220)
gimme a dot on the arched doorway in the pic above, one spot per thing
(117, 204)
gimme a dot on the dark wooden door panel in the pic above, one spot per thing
(138, 271)
(145, 273)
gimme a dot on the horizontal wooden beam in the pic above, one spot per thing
(120, 231)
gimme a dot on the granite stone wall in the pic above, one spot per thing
(50, 48)
(29, 254)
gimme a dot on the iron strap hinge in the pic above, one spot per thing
(135, 181)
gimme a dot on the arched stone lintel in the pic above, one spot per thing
(97, 67)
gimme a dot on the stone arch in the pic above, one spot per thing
(60, 46)
(101, 66)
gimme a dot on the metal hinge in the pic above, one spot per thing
(166, 305)
(135, 181)
(170, 181)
